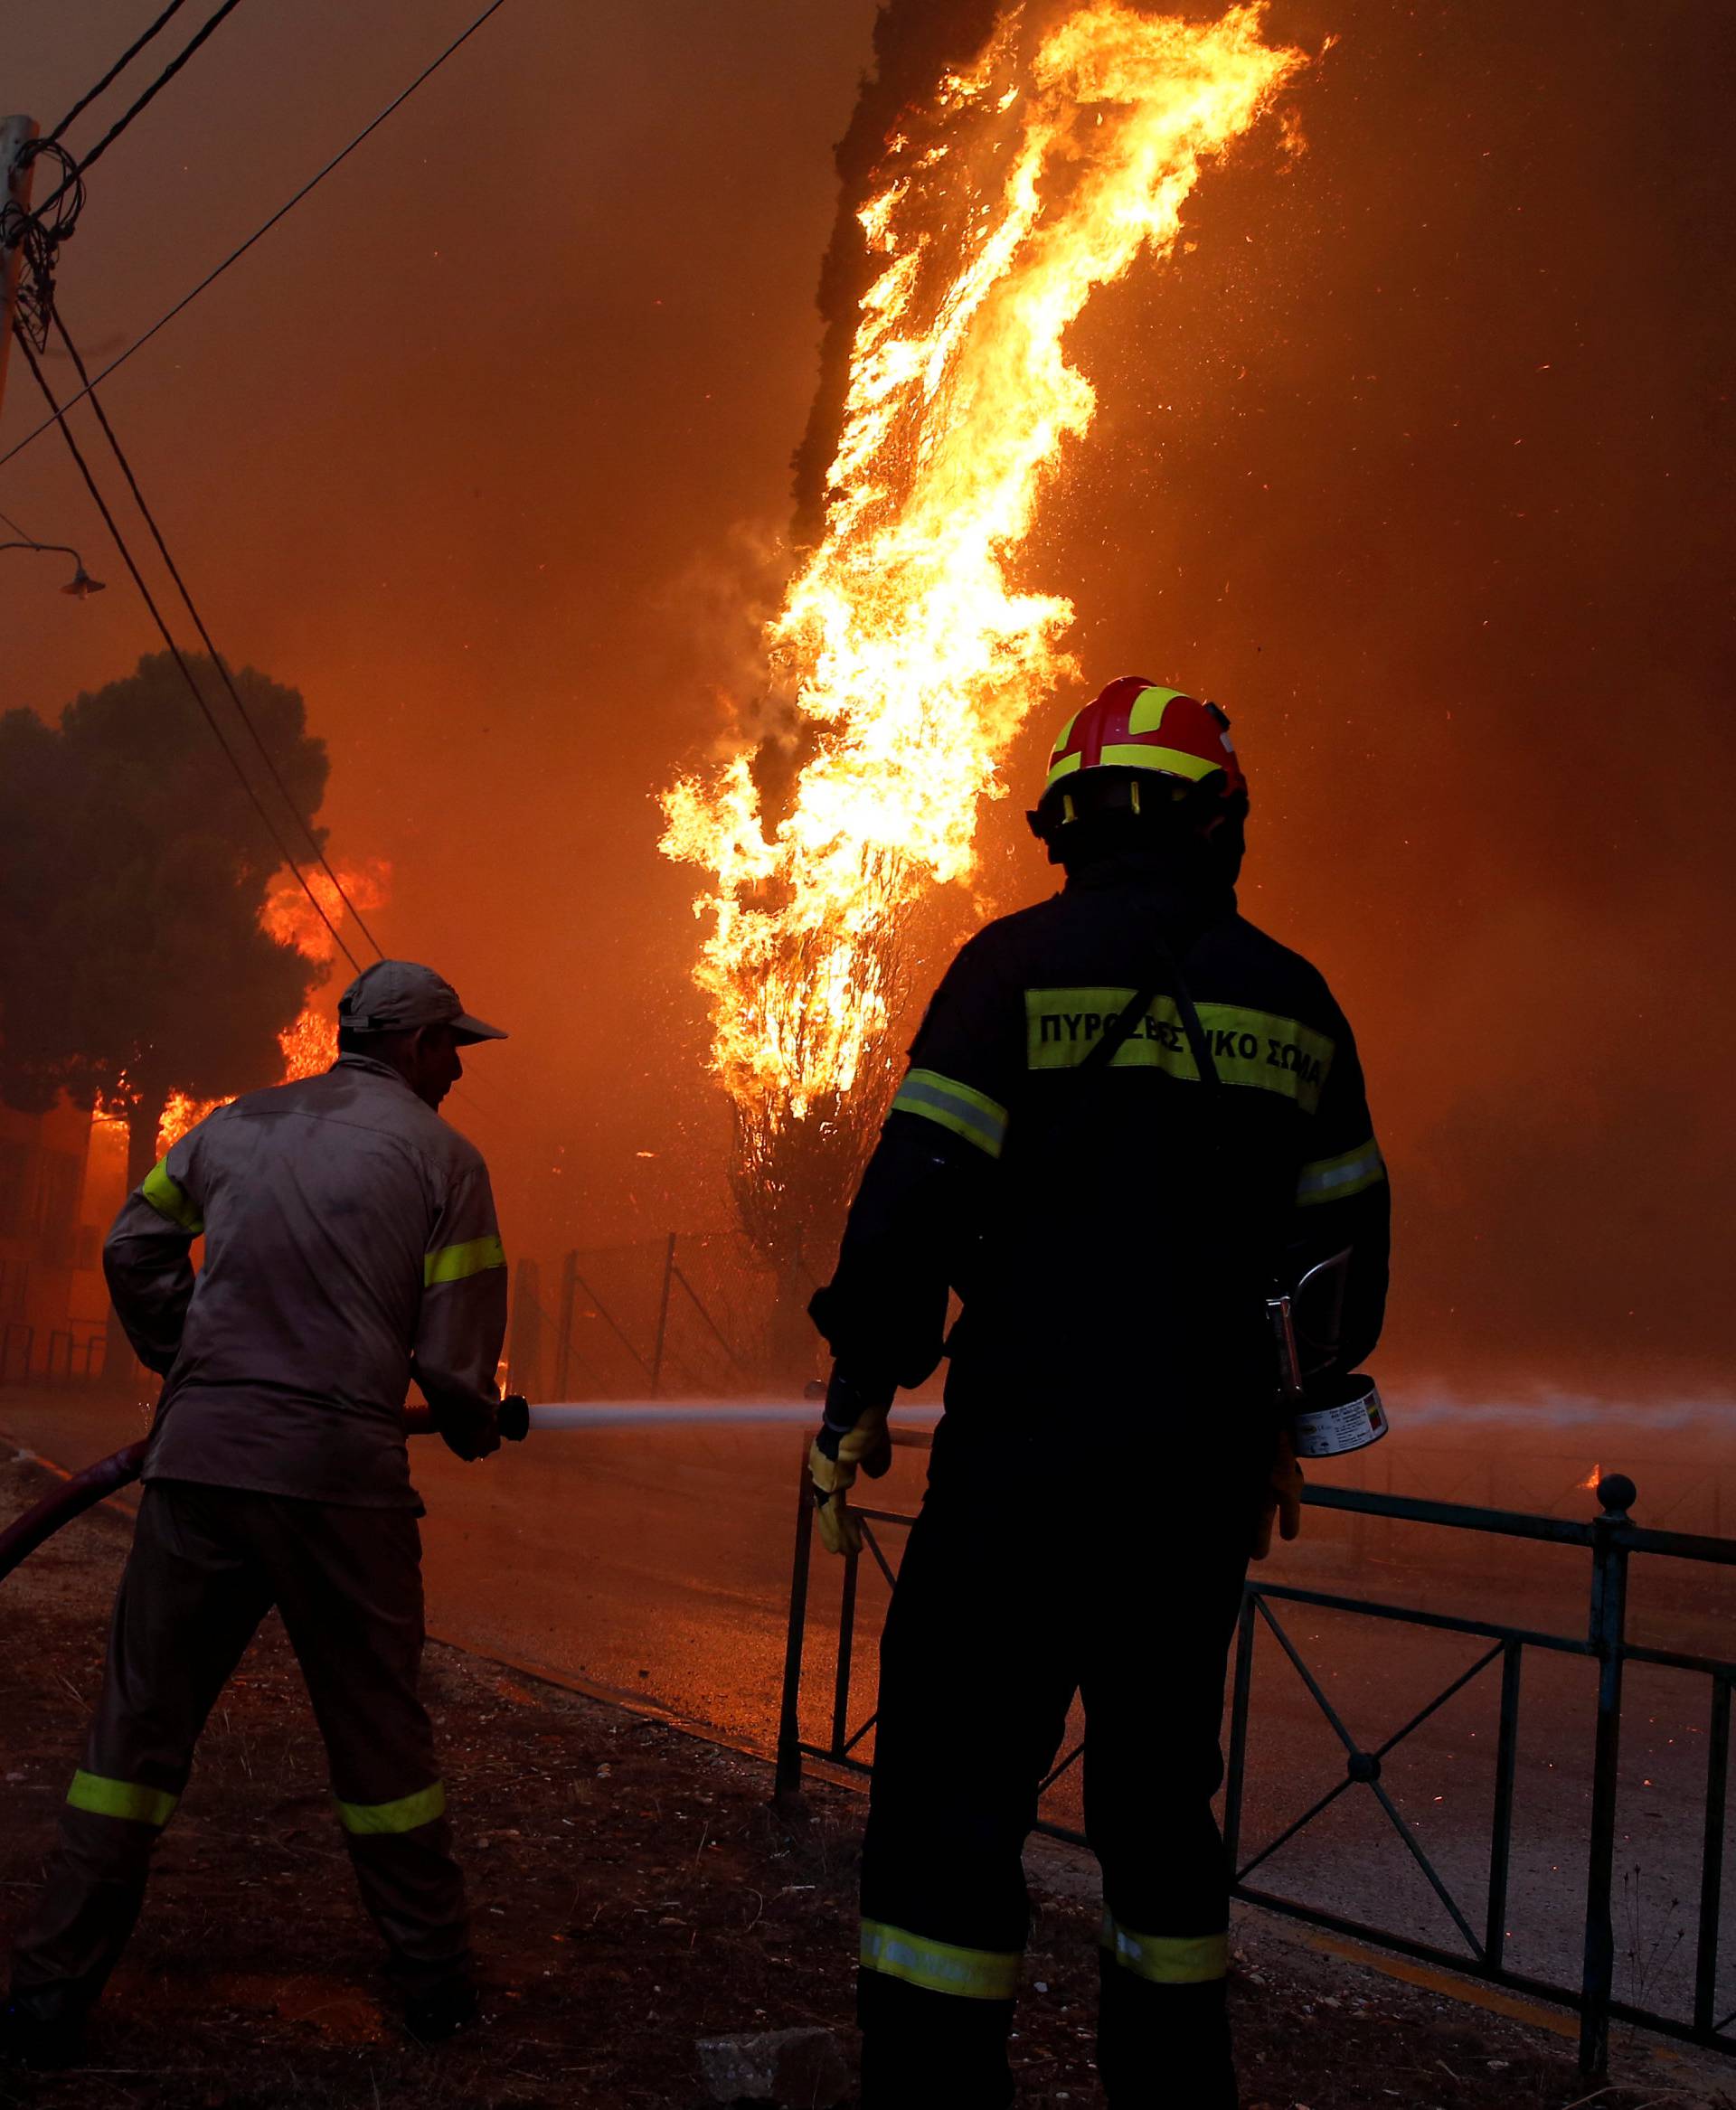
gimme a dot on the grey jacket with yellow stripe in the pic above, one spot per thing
(351, 1245)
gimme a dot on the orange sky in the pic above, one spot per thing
(1419, 463)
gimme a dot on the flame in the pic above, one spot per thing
(310, 1045)
(179, 1113)
(903, 657)
(290, 917)
(1592, 1478)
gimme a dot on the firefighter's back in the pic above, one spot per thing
(316, 1199)
(1141, 1212)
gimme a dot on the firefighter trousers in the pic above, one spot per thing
(207, 1564)
(1007, 1604)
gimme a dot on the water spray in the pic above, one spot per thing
(517, 1420)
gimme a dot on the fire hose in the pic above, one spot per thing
(83, 1490)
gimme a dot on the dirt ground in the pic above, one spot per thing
(633, 1891)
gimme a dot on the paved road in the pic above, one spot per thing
(656, 1565)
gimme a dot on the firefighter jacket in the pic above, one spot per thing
(350, 1246)
(1112, 1232)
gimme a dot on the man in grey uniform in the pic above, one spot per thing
(351, 1247)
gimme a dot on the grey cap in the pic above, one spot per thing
(396, 996)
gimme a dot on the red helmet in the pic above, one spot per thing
(1136, 724)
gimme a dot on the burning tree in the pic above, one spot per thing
(904, 657)
(133, 877)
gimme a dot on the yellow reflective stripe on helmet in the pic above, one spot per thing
(405, 1814)
(130, 1799)
(1331, 1179)
(1256, 1047)
(170, 1199)
(1062, 764)
(1167, 1959)
(1169, 761)
(958, 1107)
(1146, 711)
(939, 1966)
(453, 1263)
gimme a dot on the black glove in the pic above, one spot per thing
(470, 1428)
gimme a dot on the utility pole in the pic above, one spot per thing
(16, 134)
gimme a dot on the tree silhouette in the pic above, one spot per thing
(133, 868)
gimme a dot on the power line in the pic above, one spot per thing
(289, 205)
(151, 93)
(120, 67)
(199, 623)
(59, 418)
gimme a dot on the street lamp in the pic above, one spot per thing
(80, 586)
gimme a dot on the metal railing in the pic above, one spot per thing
(1611, 1538)
(17, 1345)
(64, 1358)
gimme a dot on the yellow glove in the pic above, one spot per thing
(1282, 1500)
(831, 1465)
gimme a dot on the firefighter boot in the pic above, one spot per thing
(43, 2042)
(435, 2018)
(1166, 2043)
(927, 2050)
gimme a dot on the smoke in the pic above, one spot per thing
(722, 601)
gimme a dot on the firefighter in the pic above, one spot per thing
(1129, 1115)
(350, 1246)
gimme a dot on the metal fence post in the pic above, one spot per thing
(1241, 1688)
(563, 1343)
(524, 1333)
(663, 1317)
(1711, 1860)
(1608, 1636)
(1506, 1765)
(28, 1332)
(846, 1650)
(787, 1780)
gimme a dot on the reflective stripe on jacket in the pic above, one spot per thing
(350, 1245)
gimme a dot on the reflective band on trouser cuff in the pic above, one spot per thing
(406, 1815)
(170, 1199)
(121, 1798)
(939, 1966)
(1167, 1959)
(1331, 1179)
(453, 1263)
(970, 1114)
